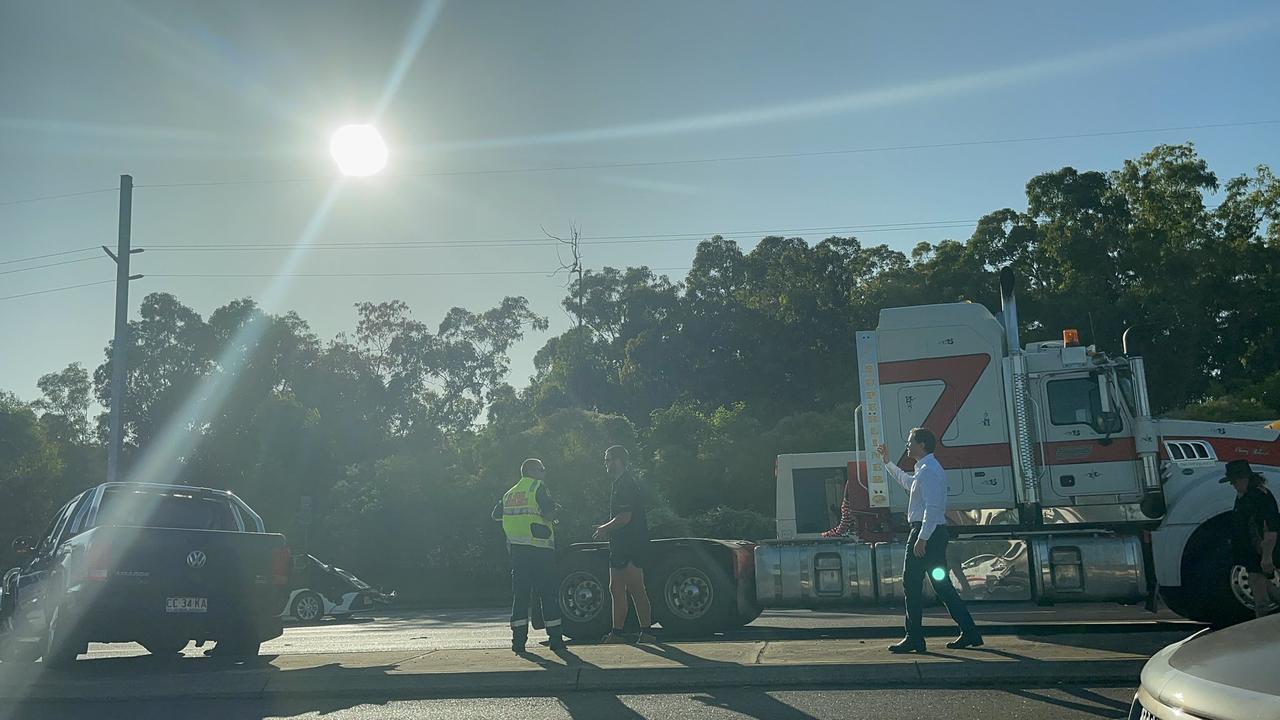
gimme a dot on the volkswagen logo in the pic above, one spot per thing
(196, 559)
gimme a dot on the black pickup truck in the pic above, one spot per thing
(157, 564)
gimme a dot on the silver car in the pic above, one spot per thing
(1228, 674)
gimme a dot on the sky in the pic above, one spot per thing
(508, 120)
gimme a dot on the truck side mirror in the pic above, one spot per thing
(1108, 422)
(22, 545)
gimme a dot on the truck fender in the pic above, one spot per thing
(1193, 502)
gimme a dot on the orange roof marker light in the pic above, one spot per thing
(1070, 338)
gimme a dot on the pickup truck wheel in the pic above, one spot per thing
(61, 647)
(584, 597)
(695, 597)
(164, 647)
(236, 649)
(307, 607)
(13, 651)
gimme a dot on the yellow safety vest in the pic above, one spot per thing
(520, 515)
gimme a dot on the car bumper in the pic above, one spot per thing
(124, 617)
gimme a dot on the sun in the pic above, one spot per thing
(358, 150)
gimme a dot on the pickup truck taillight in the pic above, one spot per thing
(280, 566)
(98, 564)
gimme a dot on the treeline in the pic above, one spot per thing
(400, 434)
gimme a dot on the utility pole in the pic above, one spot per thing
(119, 356)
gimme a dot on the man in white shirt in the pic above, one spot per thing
(927, 544)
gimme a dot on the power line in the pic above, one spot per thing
(47, 255)
(743, 158)
(460, 273)
(54, 290)
(594, 240)
(57, 197)
(38, 267)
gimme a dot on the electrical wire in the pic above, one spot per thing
(54, 290)
(46, 255)
(38, 267)
(57, 197)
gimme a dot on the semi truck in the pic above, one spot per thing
(1062, 487)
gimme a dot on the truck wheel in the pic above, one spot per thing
(695, 597)
(164, 646)
(1181, 600)
(61, 648)
(1223, 586)
(308, 607)
(584, 597)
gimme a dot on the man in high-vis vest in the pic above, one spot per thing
(527, 512)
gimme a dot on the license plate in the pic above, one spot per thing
(186, 605)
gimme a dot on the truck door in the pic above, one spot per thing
(1086, 441)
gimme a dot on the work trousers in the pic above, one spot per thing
(533, 570)
(916, 569)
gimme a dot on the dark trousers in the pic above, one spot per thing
(533, 570)
(916, 569)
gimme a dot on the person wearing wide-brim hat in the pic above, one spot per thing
(1255, 525)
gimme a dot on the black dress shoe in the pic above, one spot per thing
(908, 645)
(965, 641)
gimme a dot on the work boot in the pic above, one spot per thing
(908, 645)
(517, 642)
(966, 640)
(556, 643)
(646, 637)
(613, 638)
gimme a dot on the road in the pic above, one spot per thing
(722, 704)
(462, 629)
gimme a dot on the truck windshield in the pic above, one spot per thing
(146, 508)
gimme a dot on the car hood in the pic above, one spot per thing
(1229, 673)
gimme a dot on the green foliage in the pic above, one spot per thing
(706, 378)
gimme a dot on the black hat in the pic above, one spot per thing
(1240, 470)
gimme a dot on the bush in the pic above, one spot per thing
(732, 524)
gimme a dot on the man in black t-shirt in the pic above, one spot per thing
(1254, 527)
(628, 534)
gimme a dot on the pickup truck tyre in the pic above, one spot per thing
(164, 647)
(13, 651)
(308, 607)
(694, 597)
(61, 648)
(236, 649)
(584, 596)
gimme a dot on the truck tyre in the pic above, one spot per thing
(584, 596)
(164, 646)
(1223, 586)
(693, 596)
(308, 607)
(1181, 600)
(61, 647)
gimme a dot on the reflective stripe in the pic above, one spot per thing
(552, 623)
(519, 623)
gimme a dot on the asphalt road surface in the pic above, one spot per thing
(461, 629)
(720, 704)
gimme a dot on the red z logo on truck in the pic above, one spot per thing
(959, 374)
